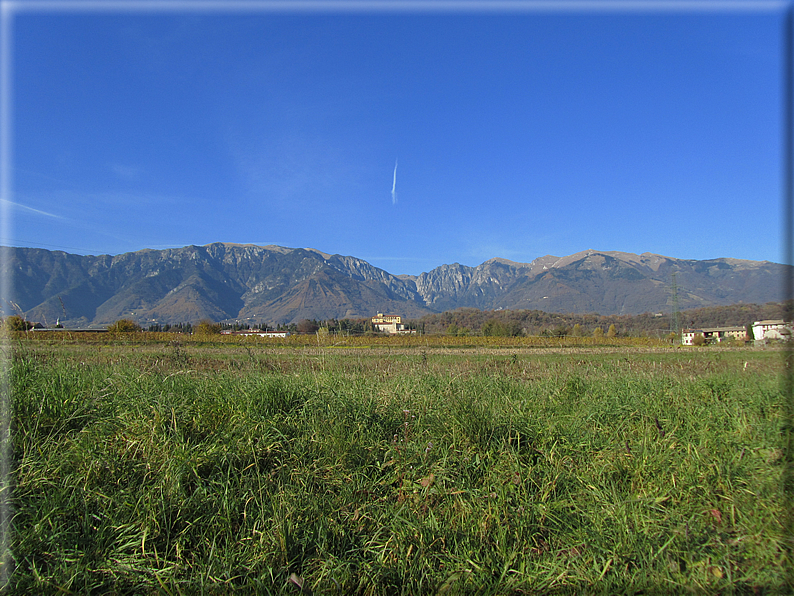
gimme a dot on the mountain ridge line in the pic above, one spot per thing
(276, 284)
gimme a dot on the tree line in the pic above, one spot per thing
(503, 323)
(473, 321)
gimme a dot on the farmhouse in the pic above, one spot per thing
(771, 329)
(391, 324)
(713, 334)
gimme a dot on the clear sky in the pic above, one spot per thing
(408, 138)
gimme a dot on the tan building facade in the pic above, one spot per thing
(713, 334)
(391, 324)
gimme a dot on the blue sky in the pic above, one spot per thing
(514, 134)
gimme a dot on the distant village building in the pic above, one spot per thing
(713, 334)
(258, 332)
(391, 324)
(771, 329)
(763, 331)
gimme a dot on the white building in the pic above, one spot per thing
(258, 332)
(771, 329)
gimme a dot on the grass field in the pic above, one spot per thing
(179, 468)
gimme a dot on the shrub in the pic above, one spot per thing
(496, 328)
(17, 323)
(124, 326)
(307, 326)
(207, 327)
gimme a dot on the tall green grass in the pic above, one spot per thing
(180, 471)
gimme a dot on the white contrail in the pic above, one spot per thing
(394, 185)
(12, 204)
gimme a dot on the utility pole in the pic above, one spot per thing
(63, 307)
(674, 295)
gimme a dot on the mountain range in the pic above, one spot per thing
(274, 284)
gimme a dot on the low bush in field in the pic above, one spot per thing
(396, 475)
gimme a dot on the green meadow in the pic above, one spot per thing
(219, 468)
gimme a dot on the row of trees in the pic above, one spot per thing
(17, 323)
(207, 327)
(492, 327)
(504, 323)
(337, 326)
(175, 328)
(512, 328)
(496, 328)
(472, 321)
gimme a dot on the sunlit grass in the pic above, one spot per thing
(182, 469)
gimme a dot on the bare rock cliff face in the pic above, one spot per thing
(361, 270)
(454, 286)
(445, 282)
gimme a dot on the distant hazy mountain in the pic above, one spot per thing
(280, 285)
